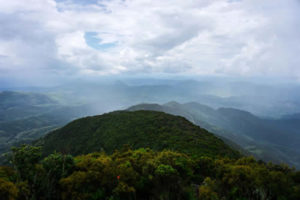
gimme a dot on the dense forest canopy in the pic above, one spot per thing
(140, 155)
(143, 174)
(139, 129)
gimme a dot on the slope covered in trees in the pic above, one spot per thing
(140, 129)
(143, 174)
(140, 155)
(275, 140)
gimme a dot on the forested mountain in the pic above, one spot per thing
(27, 116)
(186, 162)
(268, 139)
(140, 129)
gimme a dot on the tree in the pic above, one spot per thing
(207, 190)
(56, 166)
(8, 190)
(24, 159)
(26, 163)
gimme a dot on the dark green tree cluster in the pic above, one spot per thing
(247, 178)
(139, 129)
(143, 174)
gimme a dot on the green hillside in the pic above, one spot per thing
(155, 130)
(183, 161)
(275, 140)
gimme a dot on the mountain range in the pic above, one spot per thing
(27, 116)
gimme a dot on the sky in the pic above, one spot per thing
(49, 41)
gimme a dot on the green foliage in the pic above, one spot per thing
(127, 174)
(139, 129)
(165, 171)
(144, 174)
(247, 179)
(25, 159)
(7, 173)
(207, 190)
(184, 162)
(28, 170)
(56, 167)
(268, 139)
(8, 190)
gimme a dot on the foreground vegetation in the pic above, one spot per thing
(143, 174)
(141, 155)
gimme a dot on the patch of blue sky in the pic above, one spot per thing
(81, 2)
(233, 1)
(93, 41)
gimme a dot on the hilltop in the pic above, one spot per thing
(139, 129)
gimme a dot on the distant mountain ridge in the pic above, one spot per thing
(272, 140)
(18, 105)
(26, 116)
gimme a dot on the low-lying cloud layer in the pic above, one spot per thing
(86, 38)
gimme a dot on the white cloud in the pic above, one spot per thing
(247, 37)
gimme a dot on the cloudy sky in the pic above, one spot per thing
(44, 39)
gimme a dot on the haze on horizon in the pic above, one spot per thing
(44, 42)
